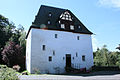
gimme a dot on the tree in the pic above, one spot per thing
(12, 55)
(118, 47)
(101, 57)
(6, 28)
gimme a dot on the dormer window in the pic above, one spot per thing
(79, 27)
(62, 26)
(50, 14)
(48, 22)
(71, 27)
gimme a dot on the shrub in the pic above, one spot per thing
(7, 73)
(12, 55)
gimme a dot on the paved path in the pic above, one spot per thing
(93, 76)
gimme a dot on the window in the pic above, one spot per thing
(49, 22)
(78, 37)
(43, 47)
(71, 27)
(63, 58)
(54, 53)
(83, 58)
(79, 27)
(62, 26)
(73, 58)
(76, 54)
(50, 58)
(55, 35)
(50, 14)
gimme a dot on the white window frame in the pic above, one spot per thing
(71, 27)
(63, 26)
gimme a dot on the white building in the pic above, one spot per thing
(57, 39)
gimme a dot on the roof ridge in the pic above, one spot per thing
(53, 7)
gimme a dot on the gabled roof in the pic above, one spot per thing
(42, 19)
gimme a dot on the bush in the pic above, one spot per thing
(12, 55)
(7, 73)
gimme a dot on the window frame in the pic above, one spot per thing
(62, 26)
(72, 27)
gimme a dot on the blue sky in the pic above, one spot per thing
(102, 17)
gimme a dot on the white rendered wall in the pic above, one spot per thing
(65, 43)
(28, 52)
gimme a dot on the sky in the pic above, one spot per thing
(102, 17)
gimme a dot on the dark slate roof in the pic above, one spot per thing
(42, 18)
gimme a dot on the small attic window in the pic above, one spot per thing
(71, 27)
(50, 14)
(79, 27)
(62, 26)
(49, 22)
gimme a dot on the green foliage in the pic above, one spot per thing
(103, 57)
(7, 73)
(9, 33)
(25, 73)
(6, 28)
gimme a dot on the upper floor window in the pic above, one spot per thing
(66, 16)
(78, 37)
(83, 58)
(43, 47)
(62, 26)
(54, 53)
(76, 54)
(71, 27)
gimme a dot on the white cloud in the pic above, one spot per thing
(94, 43)
(110, 3)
